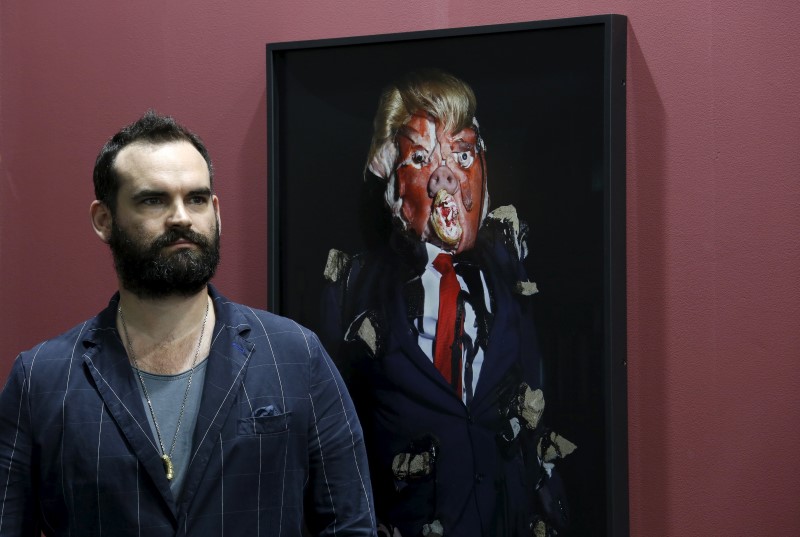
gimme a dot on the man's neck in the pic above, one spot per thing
(163, 335)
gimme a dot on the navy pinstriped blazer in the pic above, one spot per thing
(276, 436)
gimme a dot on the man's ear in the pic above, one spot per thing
(215, 203)
(101, 220)
(384, 160)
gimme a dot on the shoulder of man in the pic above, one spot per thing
(68, 348)
(235, 312)
(281, 334)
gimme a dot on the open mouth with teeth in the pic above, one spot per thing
(444, 218)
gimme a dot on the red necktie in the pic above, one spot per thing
(448, 334)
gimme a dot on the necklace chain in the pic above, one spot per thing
(166, 457)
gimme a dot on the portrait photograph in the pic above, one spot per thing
(546, 150)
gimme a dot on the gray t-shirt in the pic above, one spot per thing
(166, 393)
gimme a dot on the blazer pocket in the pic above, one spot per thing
(272, 424)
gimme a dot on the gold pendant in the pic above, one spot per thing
(168, 466)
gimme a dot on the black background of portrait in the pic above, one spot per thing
(541, 107)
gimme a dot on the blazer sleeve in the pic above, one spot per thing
(18, 511)
(339, 495)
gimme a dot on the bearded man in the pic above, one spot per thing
(434, 333)
(176, 411)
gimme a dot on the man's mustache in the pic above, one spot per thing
(176, 234)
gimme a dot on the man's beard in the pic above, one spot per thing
(149, 272)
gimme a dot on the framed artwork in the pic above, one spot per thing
(551, 105)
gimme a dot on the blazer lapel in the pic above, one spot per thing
(404, 337)
(227, 362)
(107, 362)
(502, 350)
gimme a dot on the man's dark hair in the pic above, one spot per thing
(150, 128)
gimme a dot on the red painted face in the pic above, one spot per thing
(440, 179)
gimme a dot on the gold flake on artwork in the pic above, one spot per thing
(335, 265)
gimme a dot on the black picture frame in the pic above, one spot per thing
(551, 105)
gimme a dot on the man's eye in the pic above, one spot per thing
(464, 158)
(198, 200)
(419, 158)
(151, 201)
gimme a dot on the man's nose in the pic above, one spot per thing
(179, 216)
(442, 178)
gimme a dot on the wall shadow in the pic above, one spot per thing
(646, 270)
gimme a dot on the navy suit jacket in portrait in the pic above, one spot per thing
(276, 438)
(438, 464)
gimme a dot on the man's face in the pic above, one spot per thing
(440, 180)
(164, 235)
